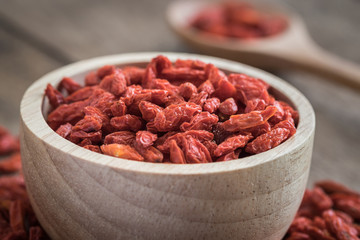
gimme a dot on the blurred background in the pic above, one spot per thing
(38, 36)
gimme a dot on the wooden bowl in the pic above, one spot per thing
(79, 194)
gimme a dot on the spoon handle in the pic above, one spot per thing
(323, 63)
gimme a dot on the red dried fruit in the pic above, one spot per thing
(69, 85)
(352, 208)
(231, 144)
(184, 74)
(36, 233)
(122, 137)
(114, 83)
(288, 124)
(105, 71)
(258, 130)
(206, 87)
(187, 89)
(255, 105)
(150, 153)
(127, 122)
(81, 94)
(102, 100)
(16, 215)
(201, 135)
(201, 121)
(92, 79)
(228, 107)
(194, 64)
(161, 84)
(145, 138)
(66, 113)
(94, 137)
(85, 142)
(11, 164)
(88, 124)
(267, 140)
(248, 120)
(333, 187)
(64, 130)
(8, 143)
(54, 96)
(229, 156)
(121, 151)
(199, 98)
(249, 88)
(337, 227)
(320, 199)
(118, 108)
(299, 236)
(133, 75)
(176, 154)
(172, 116)
(195, 151)
(211, 105)
(149, 110)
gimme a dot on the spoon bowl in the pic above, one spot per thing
(293, 48)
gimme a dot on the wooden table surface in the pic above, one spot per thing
(38, 36)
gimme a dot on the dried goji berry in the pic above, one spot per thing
(121, 137)
(105, 71)
(211, 105)
(267, 140)
(206, 87)
(11, 164)
(145, 138)
(187, 90)
(64, 130)
(337, 227)
(228, 107)
(121, 151)
(133, 75)
(126, 122)
(114, 83)
(320, 199)
(248, 120)
(118, 108)
(231, 144)
(69, 85)
(195, 151)
(149, 110)
(54, 96)
(201, 121)
(176, 154)
(81, 94)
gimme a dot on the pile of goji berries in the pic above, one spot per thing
(237, 20)
(328, 212)
(187, 112)
(17, 219)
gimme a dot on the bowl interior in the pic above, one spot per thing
(35, 104)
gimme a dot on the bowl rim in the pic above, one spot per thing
(32, 117)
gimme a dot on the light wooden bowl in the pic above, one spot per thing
(79, 194)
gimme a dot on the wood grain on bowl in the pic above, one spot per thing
(79, 194)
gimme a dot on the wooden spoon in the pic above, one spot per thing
(294, 48)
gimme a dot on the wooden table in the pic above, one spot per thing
(38, 36)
